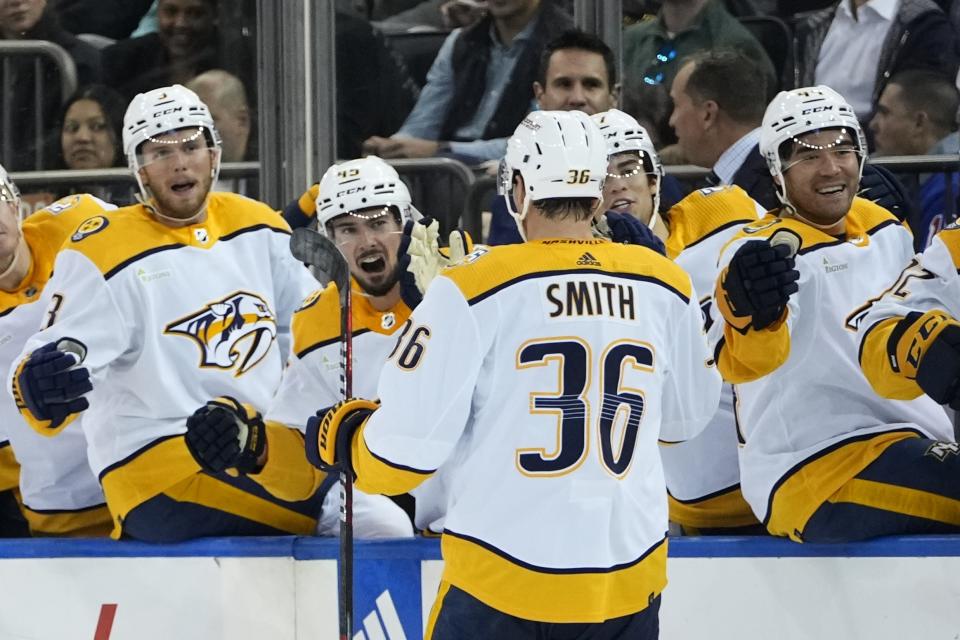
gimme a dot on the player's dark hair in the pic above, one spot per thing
(732, 80)
(576, 39)
(565, 208)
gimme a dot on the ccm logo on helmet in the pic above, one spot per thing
(817, 109)
(347, 192)
(167, 112)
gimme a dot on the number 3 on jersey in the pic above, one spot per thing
(573, 358)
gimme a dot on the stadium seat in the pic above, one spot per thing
(777, 40)
(418, 49)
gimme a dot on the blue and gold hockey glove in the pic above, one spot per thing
(421, 258)
(882, 187)
(302, 211)
(226, 434)
(330, 431)
(926, 346)
(754, 288)
(627, 229)
(49, 386)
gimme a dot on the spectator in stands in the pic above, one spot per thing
(440, 14)
(115, 19)
(224, 95)
(90, 129)
(186, 44)
(375, 92)
(577, 73)
(34, 20)
(855, 46)
(479, 87)
(654, 49)
(718, 102)
(916, 115)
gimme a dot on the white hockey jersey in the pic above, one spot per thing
(170, 318)
(703, 473)
(541, 376)
(809, 419)
(930, 283)
(60, 492)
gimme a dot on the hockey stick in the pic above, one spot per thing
(328, 265)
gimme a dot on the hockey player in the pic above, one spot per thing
(365, 208)
(61, 495)
(535, 373)
(163, 316)
(824, 458)
(703, 475)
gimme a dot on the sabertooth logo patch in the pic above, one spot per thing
(940, 450)
(233, 333)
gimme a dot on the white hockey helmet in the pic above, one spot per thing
(623, 133)
(8, 188)
(368, 182)
(798, 111)
(560, 154)
(160, 111)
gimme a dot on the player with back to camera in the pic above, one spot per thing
(179, 302)
(534, 373)
(703, 474)
(824, 458)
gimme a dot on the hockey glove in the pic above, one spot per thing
(882, 187)
(330, 431)
(755, 287)
(225, 434)
(421, 257)
(302, 211)
(926, 347)
(50, 386)
(627, 229)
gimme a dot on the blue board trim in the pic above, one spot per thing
(429, 549)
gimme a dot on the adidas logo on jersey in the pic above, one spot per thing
(383, 622)
(587, 260)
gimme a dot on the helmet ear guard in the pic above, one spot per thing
(559, 154)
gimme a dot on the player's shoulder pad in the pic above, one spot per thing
(870, 216)
(242, 212)
(491, 268)
(950, 237)
(706, 212)
(317, 321)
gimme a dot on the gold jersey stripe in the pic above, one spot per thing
(803, 489)
(561, 596)
(9, 468)
(93, 522)
(727, 508)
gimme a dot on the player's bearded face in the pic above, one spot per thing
(628, 188)
(370, 241)
(822, 174)
(178, 169)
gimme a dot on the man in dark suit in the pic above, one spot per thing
(719, 98)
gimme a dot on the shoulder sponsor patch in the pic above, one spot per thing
(90, 226)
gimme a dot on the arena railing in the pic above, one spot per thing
(439, 186)
(483, 188)
(37, 49)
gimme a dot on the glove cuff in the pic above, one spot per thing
(912, 337)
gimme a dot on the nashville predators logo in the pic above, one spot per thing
(89, 227)
(235, 332)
